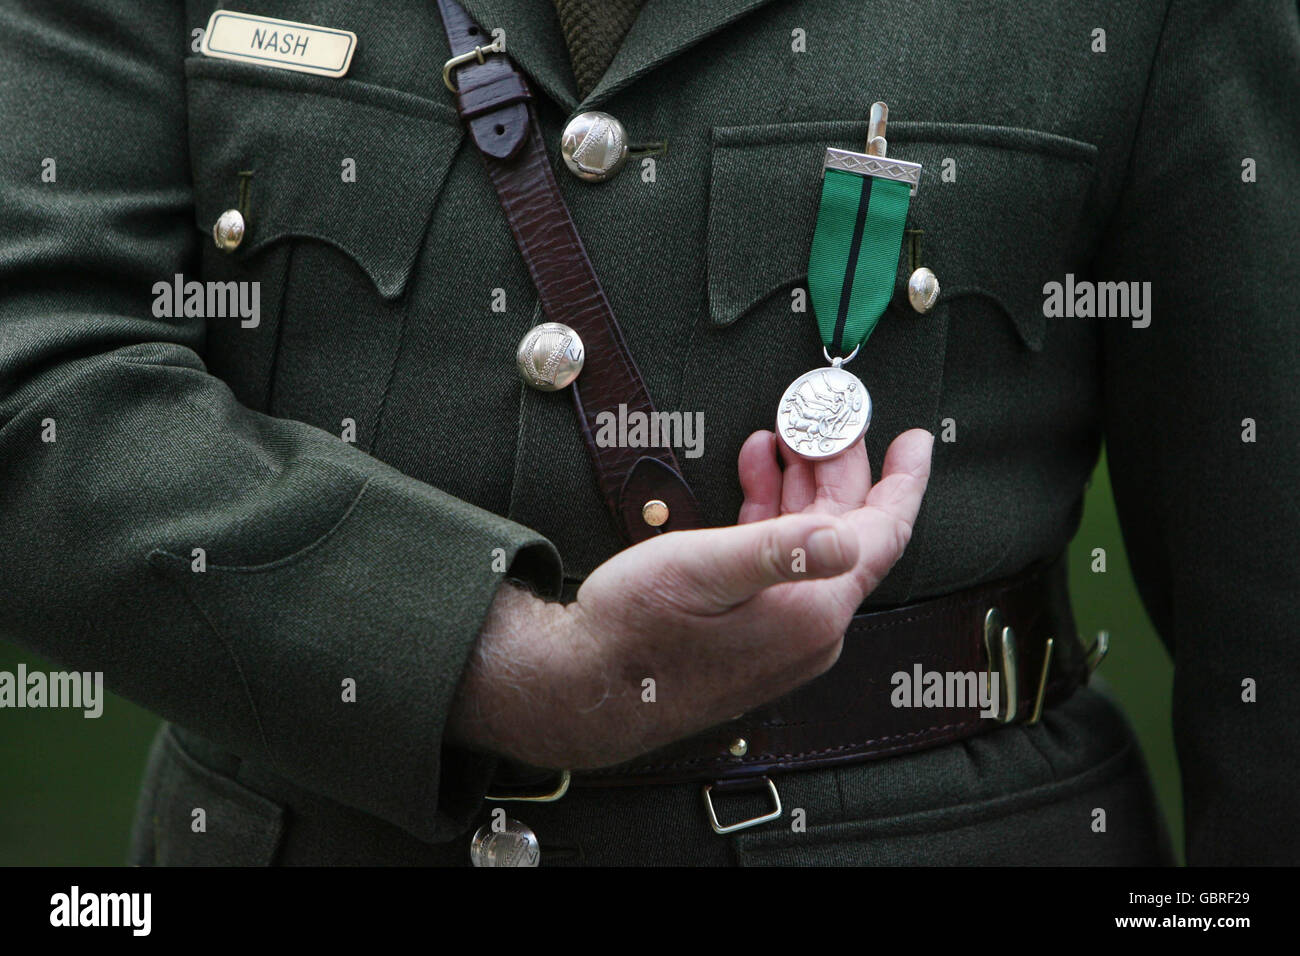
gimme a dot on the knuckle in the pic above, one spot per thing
(770, 560)
(822, 636)
(902, 534)
(830, 655)
(818, 655)
(670, 590)
(682, 588)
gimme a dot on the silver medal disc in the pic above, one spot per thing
(823, 413)
(514, 845)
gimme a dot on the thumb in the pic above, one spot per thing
(718, 568)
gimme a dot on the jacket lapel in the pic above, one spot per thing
(664, 30)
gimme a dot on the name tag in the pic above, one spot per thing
(279, 43)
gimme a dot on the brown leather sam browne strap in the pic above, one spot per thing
(494, 101)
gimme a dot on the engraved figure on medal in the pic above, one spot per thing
(823, 413)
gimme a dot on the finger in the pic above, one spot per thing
(798, 488)
(884, 525)
(760, 478)
(719, 568)
(842, 483)
(904, 476)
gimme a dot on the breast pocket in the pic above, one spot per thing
(337, 181)
(999, 211)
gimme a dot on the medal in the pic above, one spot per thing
(851, 271)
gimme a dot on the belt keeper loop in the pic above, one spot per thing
(498, 93)
(720, 829)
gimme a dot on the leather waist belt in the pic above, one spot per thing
(493, 100)
(862, 709)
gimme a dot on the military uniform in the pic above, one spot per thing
(374, 560)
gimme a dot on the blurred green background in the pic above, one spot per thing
(68, 784)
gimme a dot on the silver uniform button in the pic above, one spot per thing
(550, 356)
(516, 845)
(228, 232)
(594, 146)
(923, 290)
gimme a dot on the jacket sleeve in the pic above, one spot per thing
(1202, 410)
(120, 455)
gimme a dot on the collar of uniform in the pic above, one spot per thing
(664, 29)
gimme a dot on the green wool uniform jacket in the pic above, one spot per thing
(375, 560)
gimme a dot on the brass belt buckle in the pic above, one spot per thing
(775, 814)
(1042, 681)
(496, 46)
(1000, 644)
(559, 791)
(1097, 653)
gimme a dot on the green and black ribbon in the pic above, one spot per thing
(854, 256)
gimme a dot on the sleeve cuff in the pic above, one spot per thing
(351, 649)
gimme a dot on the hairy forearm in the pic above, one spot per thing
(506, 693)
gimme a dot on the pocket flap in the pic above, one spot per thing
(998, 209)
(276, 144)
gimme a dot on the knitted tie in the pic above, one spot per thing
(593, 30)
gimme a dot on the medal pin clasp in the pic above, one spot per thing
(875, 162)
(877, 145)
